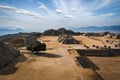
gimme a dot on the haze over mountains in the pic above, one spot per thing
(4, 31)
(113, 29)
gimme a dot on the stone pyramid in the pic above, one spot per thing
(67, 39)
(7, 53)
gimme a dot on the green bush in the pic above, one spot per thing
(93, 45)
(84, 45)
(29, 47)
(87, 47)
(37, 46)
(116, 45)
(97, 47)
(105, 46)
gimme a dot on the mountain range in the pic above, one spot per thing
(5, 31)
(114, 29)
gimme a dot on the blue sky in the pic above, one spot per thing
(44, 14)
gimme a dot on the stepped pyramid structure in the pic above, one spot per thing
(7, 53)
(67, 39)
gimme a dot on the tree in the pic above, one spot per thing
(116, 45)
(105, 46)
(97, 47)
(37, 46)
(93, 45)
(84, 45)
(87, 47)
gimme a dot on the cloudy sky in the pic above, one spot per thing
(44, 14)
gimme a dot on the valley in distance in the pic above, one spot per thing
(60, 54)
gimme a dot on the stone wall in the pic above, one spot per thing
(7, 53)
(107, 52)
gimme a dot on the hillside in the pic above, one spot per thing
(60, 31)
(18, 35)
(4, 31)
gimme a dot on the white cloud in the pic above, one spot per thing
(42, 6)
(59, 11)
(68, 16)
(65, 13)
(73, 9)
(101, 16)
(104, 3)
(7, 7)
(106, 15)
(6, 17)
(21, 11)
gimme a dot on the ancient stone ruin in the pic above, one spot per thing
(118, 36)
(7, 53)
(102, 52)
(60, 31)
(92, 34)
(110, 35)
(30, 39)
(67, 39)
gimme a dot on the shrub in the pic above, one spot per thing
(93, 45)
(37, 46)
(87, 47)
(97, 47)
(107, 40)
(105, 46)
(116, 45)
(29, 47)
(84, 45)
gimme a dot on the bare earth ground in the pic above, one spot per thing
(109, 67)
(56, 63)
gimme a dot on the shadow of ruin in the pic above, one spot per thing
(83, 61)
(87, 63)
(10, 68)
(48, 55)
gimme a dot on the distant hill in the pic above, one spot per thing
(5, 31)
(114, 29)
(60, 31)
(18, 35)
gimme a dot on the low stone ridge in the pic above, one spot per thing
(107, 52)
(92, 34)
(105, 34)
(20, 39)
(111, 35)
(8, 37)
(67, 39)
(7, 53)
(118, 36)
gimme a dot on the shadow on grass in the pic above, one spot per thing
(87, 63)
(49, 55)
(10, 68)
